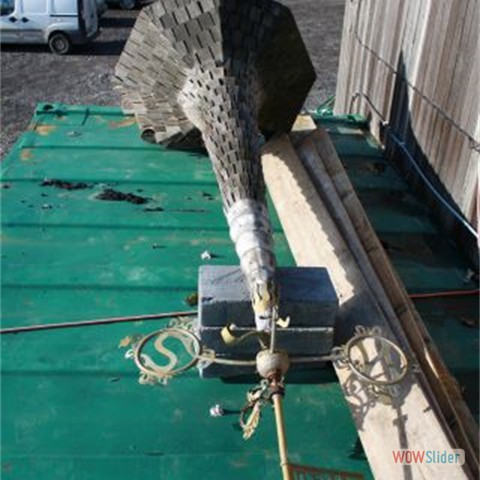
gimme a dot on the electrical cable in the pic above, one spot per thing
(452, 293)
(403, 146)
(430, 185)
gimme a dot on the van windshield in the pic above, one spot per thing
(6, 7)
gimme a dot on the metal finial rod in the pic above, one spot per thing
(282, 439)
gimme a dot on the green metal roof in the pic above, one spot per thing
(71, 403)
(423, 255)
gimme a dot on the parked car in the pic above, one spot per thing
(58, 23)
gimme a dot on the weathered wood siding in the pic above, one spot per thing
(413, 66)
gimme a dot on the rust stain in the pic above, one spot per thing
(130, 340)
(26, 154)
(125, 342)
(122, 123)
(45, 129)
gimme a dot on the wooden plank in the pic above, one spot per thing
(470, 114)
(445, 388)
(343, 61)
(463, 176)
(427, 60)
(455, 170)
(349, 42)
(370, 83)
(447, 144)
(438, 92)
(362, 30)
(353, 58)
(315, 240)
(394, 26)
(463, 59)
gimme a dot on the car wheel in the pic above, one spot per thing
(127, 4)
(59, 43)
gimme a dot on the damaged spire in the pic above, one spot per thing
(225, 72)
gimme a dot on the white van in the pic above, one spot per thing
(58, 23)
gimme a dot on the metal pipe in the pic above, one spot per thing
(90, 323)
(282, 440)
(273, 331)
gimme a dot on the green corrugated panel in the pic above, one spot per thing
(71, 403)
(425, 258)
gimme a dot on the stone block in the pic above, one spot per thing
(307, 296)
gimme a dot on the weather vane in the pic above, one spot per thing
(228, 75)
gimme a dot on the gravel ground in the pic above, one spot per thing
(30, 74)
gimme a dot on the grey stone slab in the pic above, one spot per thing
(307, 296)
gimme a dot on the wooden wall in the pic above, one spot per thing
(413, 66)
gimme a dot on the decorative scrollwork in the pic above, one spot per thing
(151, 369)
(251, 414)
(376, 361)
(186, 323)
